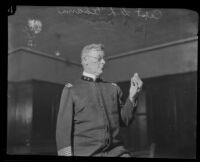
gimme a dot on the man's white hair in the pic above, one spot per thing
(87, 49)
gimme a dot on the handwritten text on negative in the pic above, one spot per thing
(98, 11)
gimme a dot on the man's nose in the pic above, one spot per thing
(103, 61)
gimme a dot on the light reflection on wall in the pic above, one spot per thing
(24, 112)
(32, 28)
(19, 113)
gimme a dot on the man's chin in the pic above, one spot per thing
(100, 72)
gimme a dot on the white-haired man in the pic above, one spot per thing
(91, 111)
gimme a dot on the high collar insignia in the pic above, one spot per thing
(86, 78)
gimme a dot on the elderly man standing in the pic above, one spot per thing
(91, 111)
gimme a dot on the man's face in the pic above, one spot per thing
(95, 62)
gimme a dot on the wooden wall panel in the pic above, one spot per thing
(171, 104)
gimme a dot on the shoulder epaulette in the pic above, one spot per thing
(114, 84)
(68, 85)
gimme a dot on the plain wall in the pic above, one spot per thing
(180, 58)
(24, 66)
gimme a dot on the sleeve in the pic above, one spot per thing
(64, 124)
(127, 109)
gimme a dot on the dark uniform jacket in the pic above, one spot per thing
(89, 119)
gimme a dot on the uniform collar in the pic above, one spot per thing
(89, 77)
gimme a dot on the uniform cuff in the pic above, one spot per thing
(67, 151)
(133, 102)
